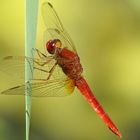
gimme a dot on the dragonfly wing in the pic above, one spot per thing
(13, 66)
(50, 88)
(46, 81)
(12, 69)
(50, 17)
(45, 70)
(58, 83)
(55, 27)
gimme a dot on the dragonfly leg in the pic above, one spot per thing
(40, 54)
(41, 69)
(51, 71)
(40, 79)
(41, 64)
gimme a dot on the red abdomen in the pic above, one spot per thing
(88, 94)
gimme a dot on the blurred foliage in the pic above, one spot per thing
(107, 36)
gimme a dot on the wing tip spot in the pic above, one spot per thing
(50, 4)
(7, 57)
(3, 92)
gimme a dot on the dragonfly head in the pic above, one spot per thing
(52, 45)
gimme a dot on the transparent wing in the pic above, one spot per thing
(50, 88)
(54, 26)
(14, 66)
(48, 78)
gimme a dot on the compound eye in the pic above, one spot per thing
(50, 45)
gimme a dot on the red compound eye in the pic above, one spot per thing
(51, 45)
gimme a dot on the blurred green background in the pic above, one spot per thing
(107, 36)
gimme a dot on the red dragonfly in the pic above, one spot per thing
(57, 71)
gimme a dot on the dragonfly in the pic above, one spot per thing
(57, 71)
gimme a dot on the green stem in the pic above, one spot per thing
(30, 39)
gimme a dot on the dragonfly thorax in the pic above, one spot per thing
(52, 45)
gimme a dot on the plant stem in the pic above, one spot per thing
(30, 39)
